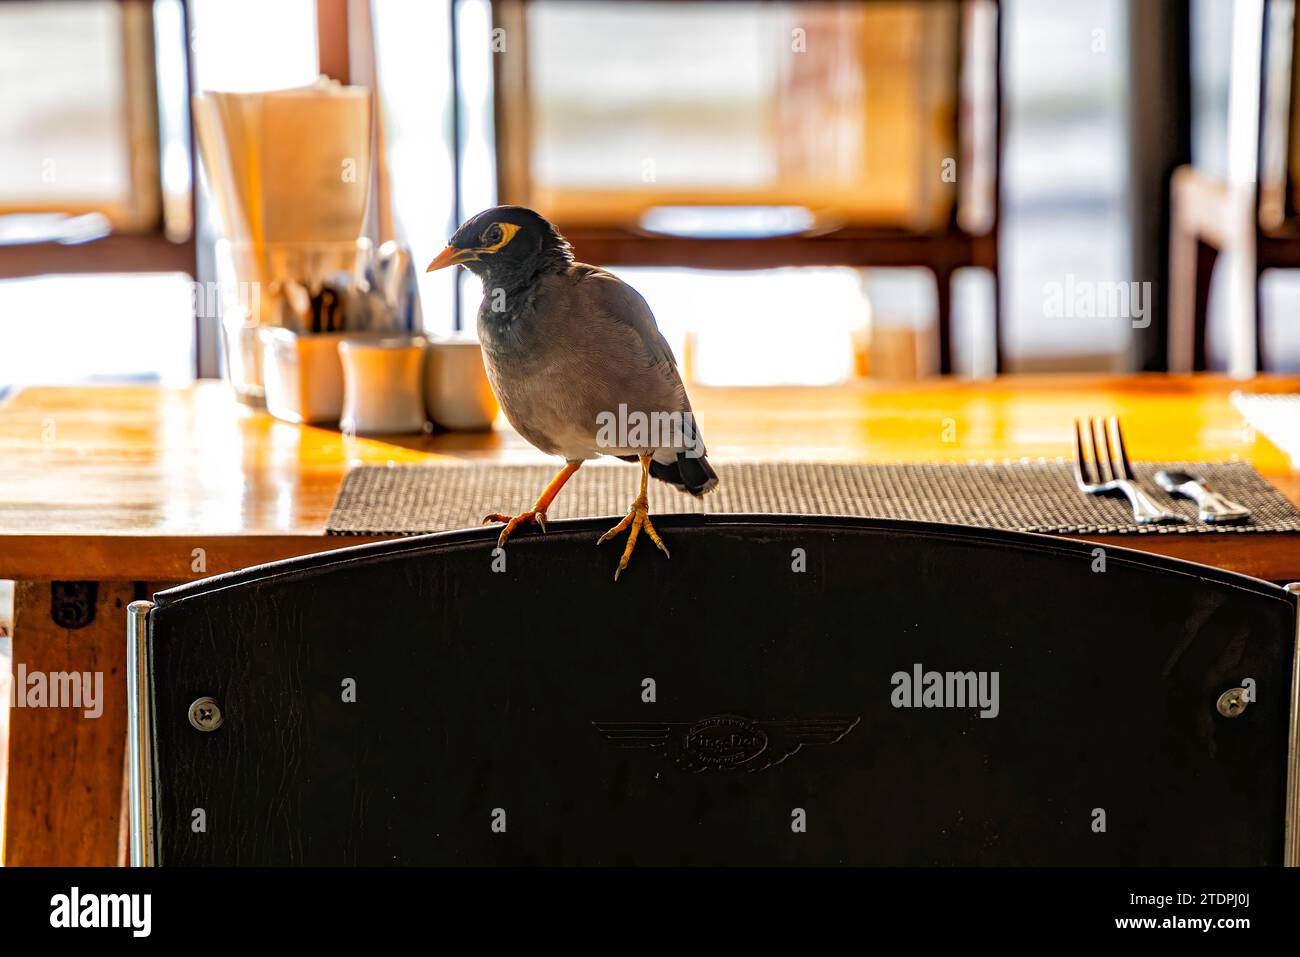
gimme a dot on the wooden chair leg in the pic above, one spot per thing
(943, 283)
(1261, 357)
(999, 347)
(1206, 218)
(1206, 257)
(1191, 261)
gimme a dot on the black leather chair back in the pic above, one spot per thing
(752, 700)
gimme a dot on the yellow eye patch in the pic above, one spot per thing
(508, 231)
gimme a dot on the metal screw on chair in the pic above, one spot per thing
(1232, 702)
(205, 714)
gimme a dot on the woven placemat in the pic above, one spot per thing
(1020, 496)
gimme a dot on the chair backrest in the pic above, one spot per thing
(784, 690)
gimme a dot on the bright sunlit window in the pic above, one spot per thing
(65, 329)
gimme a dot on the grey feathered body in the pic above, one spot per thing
(571, 346)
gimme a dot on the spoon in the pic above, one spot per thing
(1210, 505)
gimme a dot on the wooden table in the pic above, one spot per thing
(107, 494)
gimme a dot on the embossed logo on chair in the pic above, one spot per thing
(727, 742)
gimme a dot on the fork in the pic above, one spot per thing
(1099, 469)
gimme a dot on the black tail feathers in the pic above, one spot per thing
(692, 474)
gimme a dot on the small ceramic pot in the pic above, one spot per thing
(303, 375)
(382, 385)
(456, 389)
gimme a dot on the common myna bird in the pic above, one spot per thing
(578, 364)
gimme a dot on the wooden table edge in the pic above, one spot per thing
(1272, 556)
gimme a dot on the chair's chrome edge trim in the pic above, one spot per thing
(139, 723)
(1291, 852)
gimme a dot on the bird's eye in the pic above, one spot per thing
(493, 235)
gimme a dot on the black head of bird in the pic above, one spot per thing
(506, 246)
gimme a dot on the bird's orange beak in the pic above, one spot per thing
(451, 256)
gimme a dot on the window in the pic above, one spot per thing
(1065, 179)
(89, 117)
(78, 112)
(846, 110)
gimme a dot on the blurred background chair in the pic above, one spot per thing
(738, 149)
(1248, 216)
(399, 704)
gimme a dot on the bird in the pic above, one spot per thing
(578, 364)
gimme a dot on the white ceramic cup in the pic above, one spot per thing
(383, 385)
(456, 389)
(302, 374)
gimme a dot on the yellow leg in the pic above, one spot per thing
(638, 517)
(537, 513)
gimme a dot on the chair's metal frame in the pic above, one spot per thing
(1291, 851)
(139, 724)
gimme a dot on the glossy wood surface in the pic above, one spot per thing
(136, 486)
(64, 796)
(127, 482)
